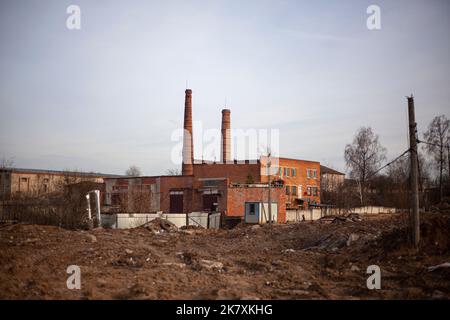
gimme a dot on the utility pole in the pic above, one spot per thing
(448, 156)
(414, 218)
(269, 163)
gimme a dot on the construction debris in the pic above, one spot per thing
(292, 261)
(158, 226)
(211, 265)
(352, 217)
(92, 237)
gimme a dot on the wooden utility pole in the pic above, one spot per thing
(269, 163)
(448, 156)
(415, 221)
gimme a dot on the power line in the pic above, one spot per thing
(432, 144)
(388, 164)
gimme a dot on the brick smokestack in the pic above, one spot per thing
(188, 145)
(226, 136)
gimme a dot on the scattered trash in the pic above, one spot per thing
(175, 264)
(352, 217)
(439, 266)
(351, 238)
(211, 265)
(92, 237)
(355, 268)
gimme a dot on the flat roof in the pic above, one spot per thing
(59, 172)
(293, 159)
(248, 161)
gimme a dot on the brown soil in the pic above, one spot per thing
(309, 260)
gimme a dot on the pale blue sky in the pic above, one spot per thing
(110, 95)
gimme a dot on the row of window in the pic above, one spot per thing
(25, 180)
(288, 172)
(292, 172)
(310, 190)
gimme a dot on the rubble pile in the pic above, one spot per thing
(158, 226)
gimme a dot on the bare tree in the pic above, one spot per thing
(363, 157)
(173, 172)
(6, 163)
(437, 137)
(133, 171)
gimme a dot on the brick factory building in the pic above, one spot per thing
(237, 189)
(18, 182)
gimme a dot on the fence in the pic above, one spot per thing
(60, 214)
(317, 213)
(132, 220)
(214, 220)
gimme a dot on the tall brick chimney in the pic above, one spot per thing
(225, 155)
(188, 145)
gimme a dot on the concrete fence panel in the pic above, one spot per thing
(214, 220)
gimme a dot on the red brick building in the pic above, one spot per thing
(237, 189)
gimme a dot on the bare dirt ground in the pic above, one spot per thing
(309, 260)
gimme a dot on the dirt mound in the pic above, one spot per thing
(434, 236)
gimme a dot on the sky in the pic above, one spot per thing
(111, 94)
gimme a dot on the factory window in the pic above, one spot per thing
(287, 190)
(210, 202)
(176, 202)
(311, 173)
(211, 183)
(294, 172)
(281, 172)
(315, 191)
(294, 190)
(312, 191)
(23, 179)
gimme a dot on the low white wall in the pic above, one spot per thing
(373, 210)
(133, 220)
(178, 219)
(317, 213)
(214, 221)
(307, 215)
(198, 219)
